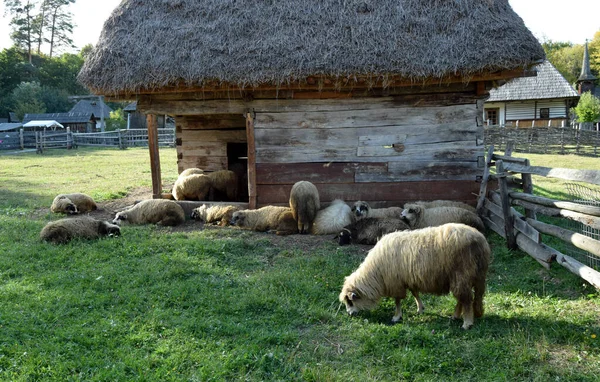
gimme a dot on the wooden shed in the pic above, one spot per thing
(370, 100)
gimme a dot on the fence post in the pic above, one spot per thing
(38, 143)
(511, 241)
(69, 143)
(21, 139)
(119, 133)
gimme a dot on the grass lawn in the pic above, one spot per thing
(170, 304)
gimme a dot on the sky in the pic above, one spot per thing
(556, 20)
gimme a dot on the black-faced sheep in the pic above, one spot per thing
(224, 185)
(160, 211)
(449, 258)
(268, 218)
(420, 217)
(64, 230)
(219, 213)
(191, 171)
(192, 187)
(445, 203)
(370, 230)
(304, 202)
(362, 210)
(73, 203)
(331, 219)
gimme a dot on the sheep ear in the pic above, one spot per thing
(352, 296)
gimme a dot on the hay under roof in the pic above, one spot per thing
(147, 45)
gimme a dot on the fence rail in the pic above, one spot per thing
(525, 231)
(48, 139)
(544, 140)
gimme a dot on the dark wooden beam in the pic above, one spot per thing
(154, 155)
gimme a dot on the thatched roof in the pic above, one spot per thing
(147, 45)
(547, 84)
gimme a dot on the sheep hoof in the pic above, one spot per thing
(396, 320)
(467, 326)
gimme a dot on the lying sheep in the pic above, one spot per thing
(445, 203)
(269, 218)
(449, 258)
(420, 217)
(73, 203)
(160, 211)
(64, 230)
(224, 185)
(304, 202)
(220, 214)
(370, 230)
(192, 187)
(362, 210)
(332, 219)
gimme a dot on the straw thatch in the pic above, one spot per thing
(152, 44)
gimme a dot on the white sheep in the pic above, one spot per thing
(445, 203)
(218, 213)
(370, 230)
(153, 211)
(331, 219)
(268, 218)
(192, 187)
(304, 202)
(420, 217)
(452, 258)
(362, 210)
(73, 203)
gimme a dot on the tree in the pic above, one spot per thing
(594, 51)
(116, 121)
(588, 108)
(60, 24)
(567, 59)
(23, 23)
(26, 98)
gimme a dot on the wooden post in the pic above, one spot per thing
(511, 241)
(119, 132)
(528, 189)
(21, 139)
(69, 138)
(484, 181)
(154, 155)
(252, 196)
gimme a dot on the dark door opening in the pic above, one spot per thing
(237, 161)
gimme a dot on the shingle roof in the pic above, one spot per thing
(60, 117)
(10, 126)
(93, 107)
(548, 83)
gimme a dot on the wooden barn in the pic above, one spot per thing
(370, 100)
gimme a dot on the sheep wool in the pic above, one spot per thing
(452, 258)
(362, 210)
(420, 217)
(83, 227)
(370, 230)
(218, 213)
(153, 211)
(73, 203)
(268, 218)
(304, 202)
(192, 187)
(331, 219)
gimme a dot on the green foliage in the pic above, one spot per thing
(588, 108)
(196, 303)
(594, 52)
(27, 98)
(116, 121)
(567, 59)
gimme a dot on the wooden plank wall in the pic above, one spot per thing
(385, 154)
(202, 140)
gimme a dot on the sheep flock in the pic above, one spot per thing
(434, 247)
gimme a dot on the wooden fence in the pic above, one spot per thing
(524, 231)
(48, 139)
(544, 140)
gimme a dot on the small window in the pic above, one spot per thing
(491, 116)
(545, 113)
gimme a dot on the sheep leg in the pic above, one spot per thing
(398, 314)
(464, 305)
(420, 306)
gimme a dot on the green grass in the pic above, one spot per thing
(158, 304)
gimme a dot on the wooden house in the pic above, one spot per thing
(98, 109)
(76, 122)
(377, 101)
(543, 100)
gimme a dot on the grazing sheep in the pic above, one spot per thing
(445, 203)
(190, 171)
(369, 230)
(73, 203)
(449, 258)
(159, 211)
(420, 217)
(64, 230)
(362, 210)
(224, 185)
(220, 214)
(304, 202)
(332, 219)
(192, 187)
(268, 218)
